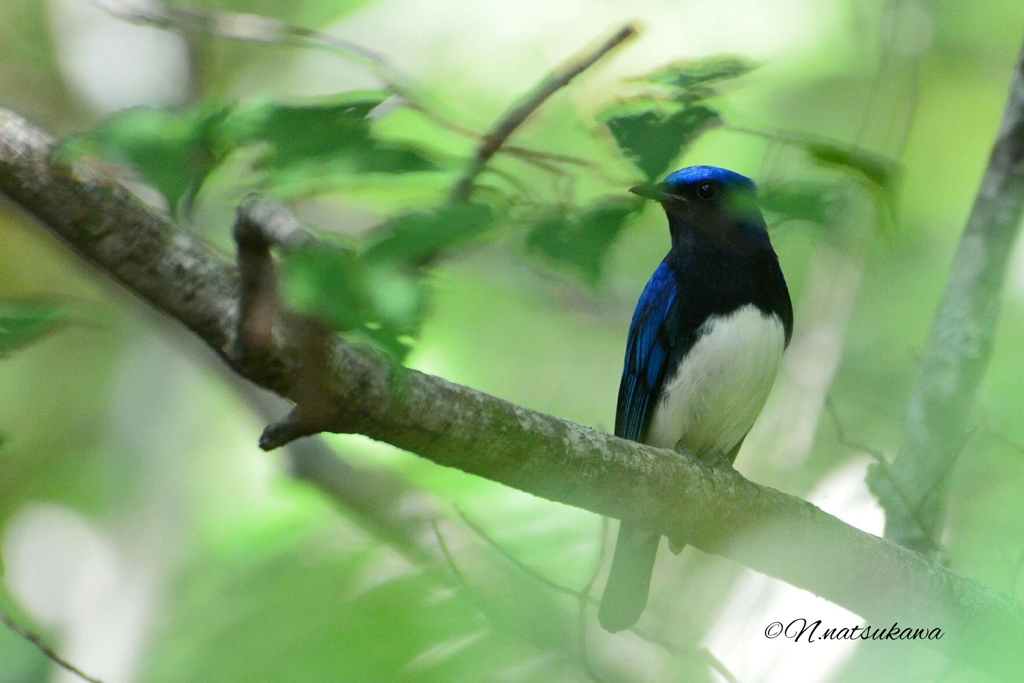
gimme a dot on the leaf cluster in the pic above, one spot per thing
(657, 127)
(377, 287)
(175, 151)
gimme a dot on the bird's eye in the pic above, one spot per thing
(706, 190)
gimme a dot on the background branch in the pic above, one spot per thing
(959, 344)
(519, 112)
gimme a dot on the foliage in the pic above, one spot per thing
(654, 129)
(330, 133)
(22, 323)
(653, 140)
(685, 77)
(175, 151)
(377, 290)
(796, 200)
(582, 241)
(172, 151)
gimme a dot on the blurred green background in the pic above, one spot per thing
(146, 535)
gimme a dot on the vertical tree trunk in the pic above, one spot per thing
(912, 490)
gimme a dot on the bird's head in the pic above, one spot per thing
(712, 201)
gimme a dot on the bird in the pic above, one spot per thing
(704, 346)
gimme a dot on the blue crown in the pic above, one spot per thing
(697, 174)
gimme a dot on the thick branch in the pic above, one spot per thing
(717, 511)
(520, 111)
(959, 343)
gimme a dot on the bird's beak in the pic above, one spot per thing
(656, 191)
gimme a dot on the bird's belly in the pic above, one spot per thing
(721, 385)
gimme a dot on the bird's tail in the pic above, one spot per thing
(625, 595)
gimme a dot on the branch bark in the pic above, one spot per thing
(716, 510)
(959, 344)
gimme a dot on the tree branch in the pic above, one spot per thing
(959, 344)
(714, 509)
(250, 28)
(519, 112)
(41, 645)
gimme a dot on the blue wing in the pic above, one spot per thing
(647, 349)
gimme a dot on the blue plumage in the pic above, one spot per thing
(645, 354)
(699, 174)
(703, 349)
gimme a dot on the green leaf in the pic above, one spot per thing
(331, 283)
(880, 171)
(379, 293)
(379, 302)
(690, 73)
(330, 134)
(796, 200)
(416, 239)
(876, 168)
(653, 140)
(24, 323)
(174, 151)
(582, 242)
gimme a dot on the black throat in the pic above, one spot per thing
(719, 268)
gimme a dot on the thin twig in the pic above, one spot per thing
(537, 157)
(519, 112)
(1015, 576)
(883, 464)
(1017, 448)
(887, 165)
(583, 596)
(564, 590)
(448, 554)
(44, 648)
(513, 559)
(524, 191)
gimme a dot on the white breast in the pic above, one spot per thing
(719, 388)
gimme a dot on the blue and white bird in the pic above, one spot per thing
(703, 350)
